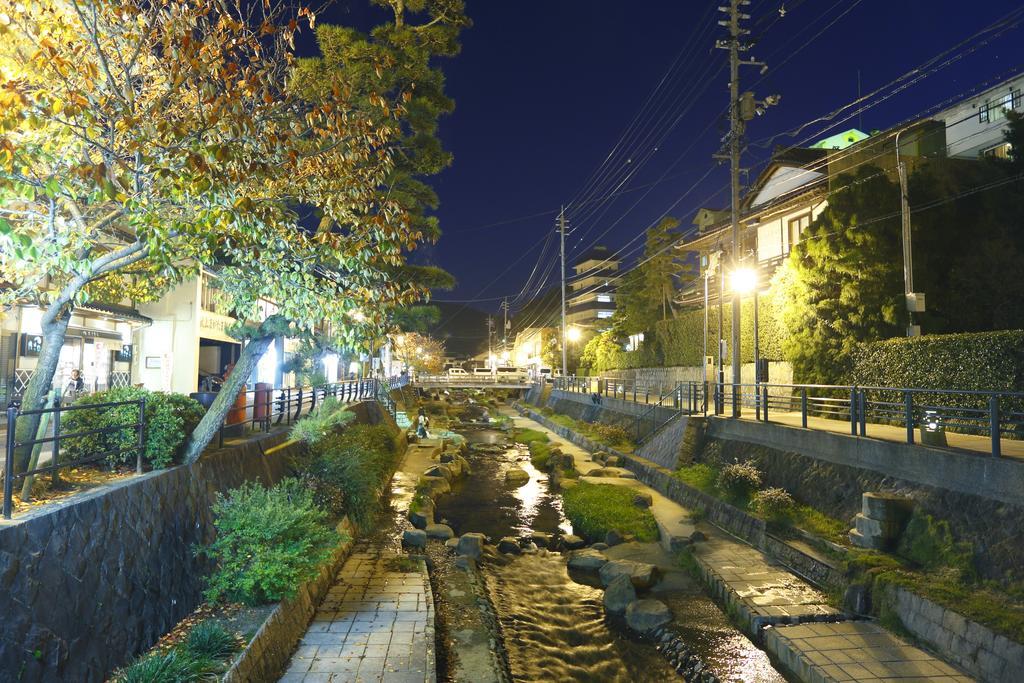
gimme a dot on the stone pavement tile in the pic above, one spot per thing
(292, 678)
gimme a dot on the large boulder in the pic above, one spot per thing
(471, 545)
(422, 512)
(613, 538)
(611, 473)
(415, 538)
(442, 471)
(540, 539)
(644, 616)
(641, 574)
(572, 542)
(441, 532)
(509, 545)
(436, 485)
(619, 594)
(587, 560)
(517, 475)
(642, 499)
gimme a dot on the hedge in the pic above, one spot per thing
(983, 361)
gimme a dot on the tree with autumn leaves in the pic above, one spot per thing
(139, 141)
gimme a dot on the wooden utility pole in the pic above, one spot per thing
(565, 340)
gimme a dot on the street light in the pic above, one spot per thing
(573, 334)
(744, 281)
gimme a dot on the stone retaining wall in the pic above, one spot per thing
(779, 372)
(87, 584)
(975, 648)
(270, 649)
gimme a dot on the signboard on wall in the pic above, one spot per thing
(124, 355)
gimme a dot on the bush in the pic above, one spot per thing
(210, 640)
(739, 481)
(929, 544)
(774, 505)
(170, 418)
(330, 416)
(596, 509)
(268, 542)
(613, 435)
(348, 470)
(986, 361)
(173, 666)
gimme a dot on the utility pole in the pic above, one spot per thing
(742, 108)
(915, 300)
(490, 342)
(504, 329)
(561, 231)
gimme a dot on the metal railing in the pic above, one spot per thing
(471, 380)
(685, 398)
(925, 415)
(36, 443)
(256, 409)
(265, 407)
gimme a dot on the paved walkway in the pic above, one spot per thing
(376, 624)
(854, 651)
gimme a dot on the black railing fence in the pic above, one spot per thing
(924, 414)
(256, 410)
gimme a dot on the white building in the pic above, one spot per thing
(975, 126)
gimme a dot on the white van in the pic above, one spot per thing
(457, 372)
(482, 372)
(509, 372)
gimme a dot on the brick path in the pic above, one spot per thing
(376, 624)
(854, 651)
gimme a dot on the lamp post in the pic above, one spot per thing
(744, 281)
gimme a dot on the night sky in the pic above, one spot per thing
(544, 90)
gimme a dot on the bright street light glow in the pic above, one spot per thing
(744, 280)
(574, 334)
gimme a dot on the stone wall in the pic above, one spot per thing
(779, 372)
(995, 529)
(88, 583)
(978, 650)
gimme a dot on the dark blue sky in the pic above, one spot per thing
(545, 88)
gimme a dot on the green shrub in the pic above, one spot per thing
(738, 481)
(268, 542)
(330, 416)
(210, 640)
(774, 505)
(680, 340)
(596, 509)
(348, 470)
(985, 361)
(173, 666)
(929, 544)
(613, 435)
(170, 418)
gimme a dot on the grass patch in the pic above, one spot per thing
(819, 524)
(539, 445)
(700, 476)
(610, 435)
(596, 509)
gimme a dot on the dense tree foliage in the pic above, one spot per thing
(843, 280)
(645, 294)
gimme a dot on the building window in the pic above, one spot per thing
(999, 151)
(635, 340)
(796, 228)
(994, 110)
(605, 314)
(604, 298)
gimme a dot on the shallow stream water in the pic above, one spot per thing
(555, 628)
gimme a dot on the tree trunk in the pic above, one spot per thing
(38, 387)
(207, 428)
